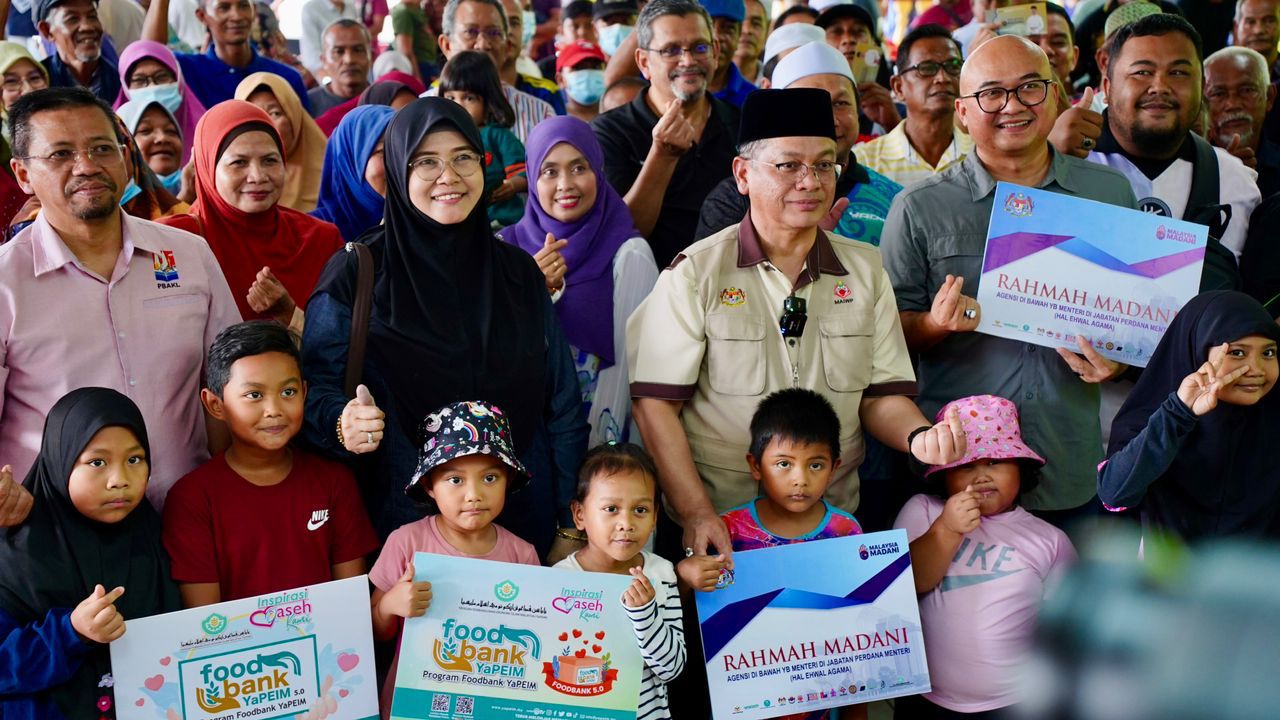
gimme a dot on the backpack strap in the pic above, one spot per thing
(1204, 207)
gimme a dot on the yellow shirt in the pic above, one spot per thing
(891, 155)
(708, 336)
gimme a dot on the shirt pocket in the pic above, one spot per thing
(959, 255)
(736, 354)
(847, 349)
(169, 301)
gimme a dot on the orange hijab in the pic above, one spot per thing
(294, 245)
(304, 151)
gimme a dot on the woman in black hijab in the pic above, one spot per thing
(1189, 448)
(457, 315)
(90, 533)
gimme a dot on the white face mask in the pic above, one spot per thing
(611, 37)
(530, 26)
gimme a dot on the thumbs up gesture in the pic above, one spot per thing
(551, 262)
(96, 618)
(362, 423)
(407, 598)
(1078, 128)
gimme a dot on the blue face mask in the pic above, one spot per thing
(584, 87)
(172, 182)
(170, 96)
(131, 191)
(529, 27)
(611, 37)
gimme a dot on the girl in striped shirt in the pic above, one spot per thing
(616, 505)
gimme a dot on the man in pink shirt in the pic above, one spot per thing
(90, 296)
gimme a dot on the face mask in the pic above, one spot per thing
(170, 96)
(585, 87)
(611, 37)
(173, 181)
(530, 25)
(131, 191)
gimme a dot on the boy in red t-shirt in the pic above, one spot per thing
(263, 516)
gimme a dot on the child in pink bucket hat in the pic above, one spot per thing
(982, 564)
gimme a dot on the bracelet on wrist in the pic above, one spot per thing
(912, 435)
(341, 440)
(571, 535)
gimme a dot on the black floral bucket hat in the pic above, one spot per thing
(459, 430)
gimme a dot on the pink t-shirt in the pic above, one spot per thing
(424, 536)
(978, 623)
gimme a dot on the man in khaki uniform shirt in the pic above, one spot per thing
(705, 347)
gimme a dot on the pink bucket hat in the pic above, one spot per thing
(992, 430)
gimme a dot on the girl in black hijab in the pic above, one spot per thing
(1189, 446)
(457, 315)
(88, 558)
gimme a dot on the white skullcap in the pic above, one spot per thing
(790, 36)
(821, 5)
(815, 58)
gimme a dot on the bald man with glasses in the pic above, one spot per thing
(933, 244)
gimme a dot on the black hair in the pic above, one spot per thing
(473, 71)
(1152, 25)
(930, 30)
(246, 339)
(792, 11)
(49, 100)
(798, 415)
(577, 9)
(611, 459)
(1055, 9)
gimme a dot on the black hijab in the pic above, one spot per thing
(1224, 480)
(457, 314)
(55, 559)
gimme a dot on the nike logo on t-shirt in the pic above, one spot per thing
(318, 518)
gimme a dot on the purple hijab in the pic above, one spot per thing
(586, 309)
(190, 111)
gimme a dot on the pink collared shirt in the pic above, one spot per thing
(145, 333)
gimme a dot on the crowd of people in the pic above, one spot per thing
(612, 287)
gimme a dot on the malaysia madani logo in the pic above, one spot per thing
(1018, 205)
(863, 552)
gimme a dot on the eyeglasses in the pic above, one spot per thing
(675, 52)
(929, 68)
(1030, 94)
(104, 155)
(428, 169)
(794, 171)
(35, 81)
(794, 316)
(490, 33)
(159, 77)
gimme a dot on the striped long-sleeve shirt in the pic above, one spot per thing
(659, 632)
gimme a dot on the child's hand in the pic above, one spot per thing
(962, 513)
(96, 617)
(641, 592)
(407, 598)
(701, 572)
(1200, 390)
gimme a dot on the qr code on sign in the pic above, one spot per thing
(464, 706)
(440, 704)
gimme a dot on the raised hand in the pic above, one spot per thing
(1201, 389)
(832, 218)
(96, 618)
(701, 572)
(1077, 129)
(640, 592)
(953, 311)
(267, 295)
(943, 443)
(1242, 151)
(362, 423)
(674, 135)
(551, 262)
(15, 501)
(962, 514)
(407, 598)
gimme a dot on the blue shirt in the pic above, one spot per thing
(736, 87)
(542, 89)
(105, 82)
(213, 81)
(35, 660)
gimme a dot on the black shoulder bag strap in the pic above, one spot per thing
(1204, 207)
(361, 309)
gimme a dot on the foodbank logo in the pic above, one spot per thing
(506, 591)
(214, 624)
